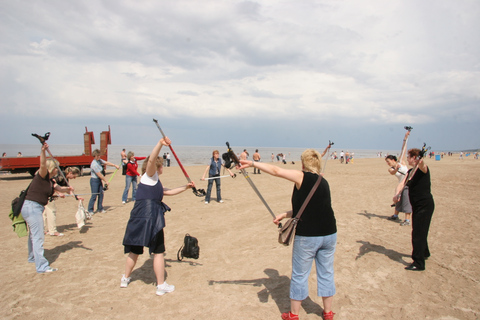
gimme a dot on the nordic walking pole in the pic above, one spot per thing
(245, 174)
(330, 143)
(234, 175)
(197, 192)
(42, 141)
(105, 188)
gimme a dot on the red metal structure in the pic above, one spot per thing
(31, 164)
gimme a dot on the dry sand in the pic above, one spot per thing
(242, 272)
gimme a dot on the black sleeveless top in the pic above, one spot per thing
(318, 218)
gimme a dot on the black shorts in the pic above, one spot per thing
(159, 245)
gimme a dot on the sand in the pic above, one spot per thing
(242, 272)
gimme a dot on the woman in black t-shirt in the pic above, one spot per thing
(418, 182)
(316, 233)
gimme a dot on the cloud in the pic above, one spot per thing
(372, 63)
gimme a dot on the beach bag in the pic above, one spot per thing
(80, 216)
(190, 248)
(17, 203)
(287, 231)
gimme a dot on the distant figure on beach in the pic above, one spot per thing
(244, 155)
(399, 169)
(19, 154)
(342, 157)
(4, 155)
(347, 157)
(50, 212)
(273, 157)
(421, 198)
(168, 159)
(123, 156)
(256, 157)
(316, 233)
(96, 178)
(213, 170)
(147, 220)
(41, 189)
(461, 155)
(131, 176)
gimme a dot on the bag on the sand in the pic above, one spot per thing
(80, 216)
(287, 232)
(190, 248)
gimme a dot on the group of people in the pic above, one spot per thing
(315, 235)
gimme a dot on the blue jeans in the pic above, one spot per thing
(96, 187)
(209, 189)
(305, 250)
(32, 213)
(130, 180)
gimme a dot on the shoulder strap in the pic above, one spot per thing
(310, 195)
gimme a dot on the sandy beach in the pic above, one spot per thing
(243, 272)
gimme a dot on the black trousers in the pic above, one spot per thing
(421, 218)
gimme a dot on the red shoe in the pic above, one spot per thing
(289, 316)
(328, 316)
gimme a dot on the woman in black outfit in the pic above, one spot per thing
(418, 182)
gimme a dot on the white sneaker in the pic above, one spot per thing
(164, 288)
(125, 281)
(221, 201)
(123, 202)
(206, 202)
(50, 270)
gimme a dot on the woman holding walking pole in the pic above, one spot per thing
(316, 233)
(418, 181)
(38, 194)
(147, 221)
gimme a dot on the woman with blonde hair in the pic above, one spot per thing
(316, 233)
(41, 189)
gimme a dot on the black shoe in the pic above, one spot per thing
(393, 218)
(413, 267)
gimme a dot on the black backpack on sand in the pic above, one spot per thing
(190, 248)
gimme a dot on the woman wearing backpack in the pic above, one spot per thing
(146, 223)
(41, 189)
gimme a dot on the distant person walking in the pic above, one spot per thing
(213, 170)
(244, 155)
(131, 176)
(256, 157)
(96, 178)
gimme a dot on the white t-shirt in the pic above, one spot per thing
(149, 181)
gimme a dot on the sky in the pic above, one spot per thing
(254, 73)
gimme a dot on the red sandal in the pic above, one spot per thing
(328, 316)
(289, 316)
